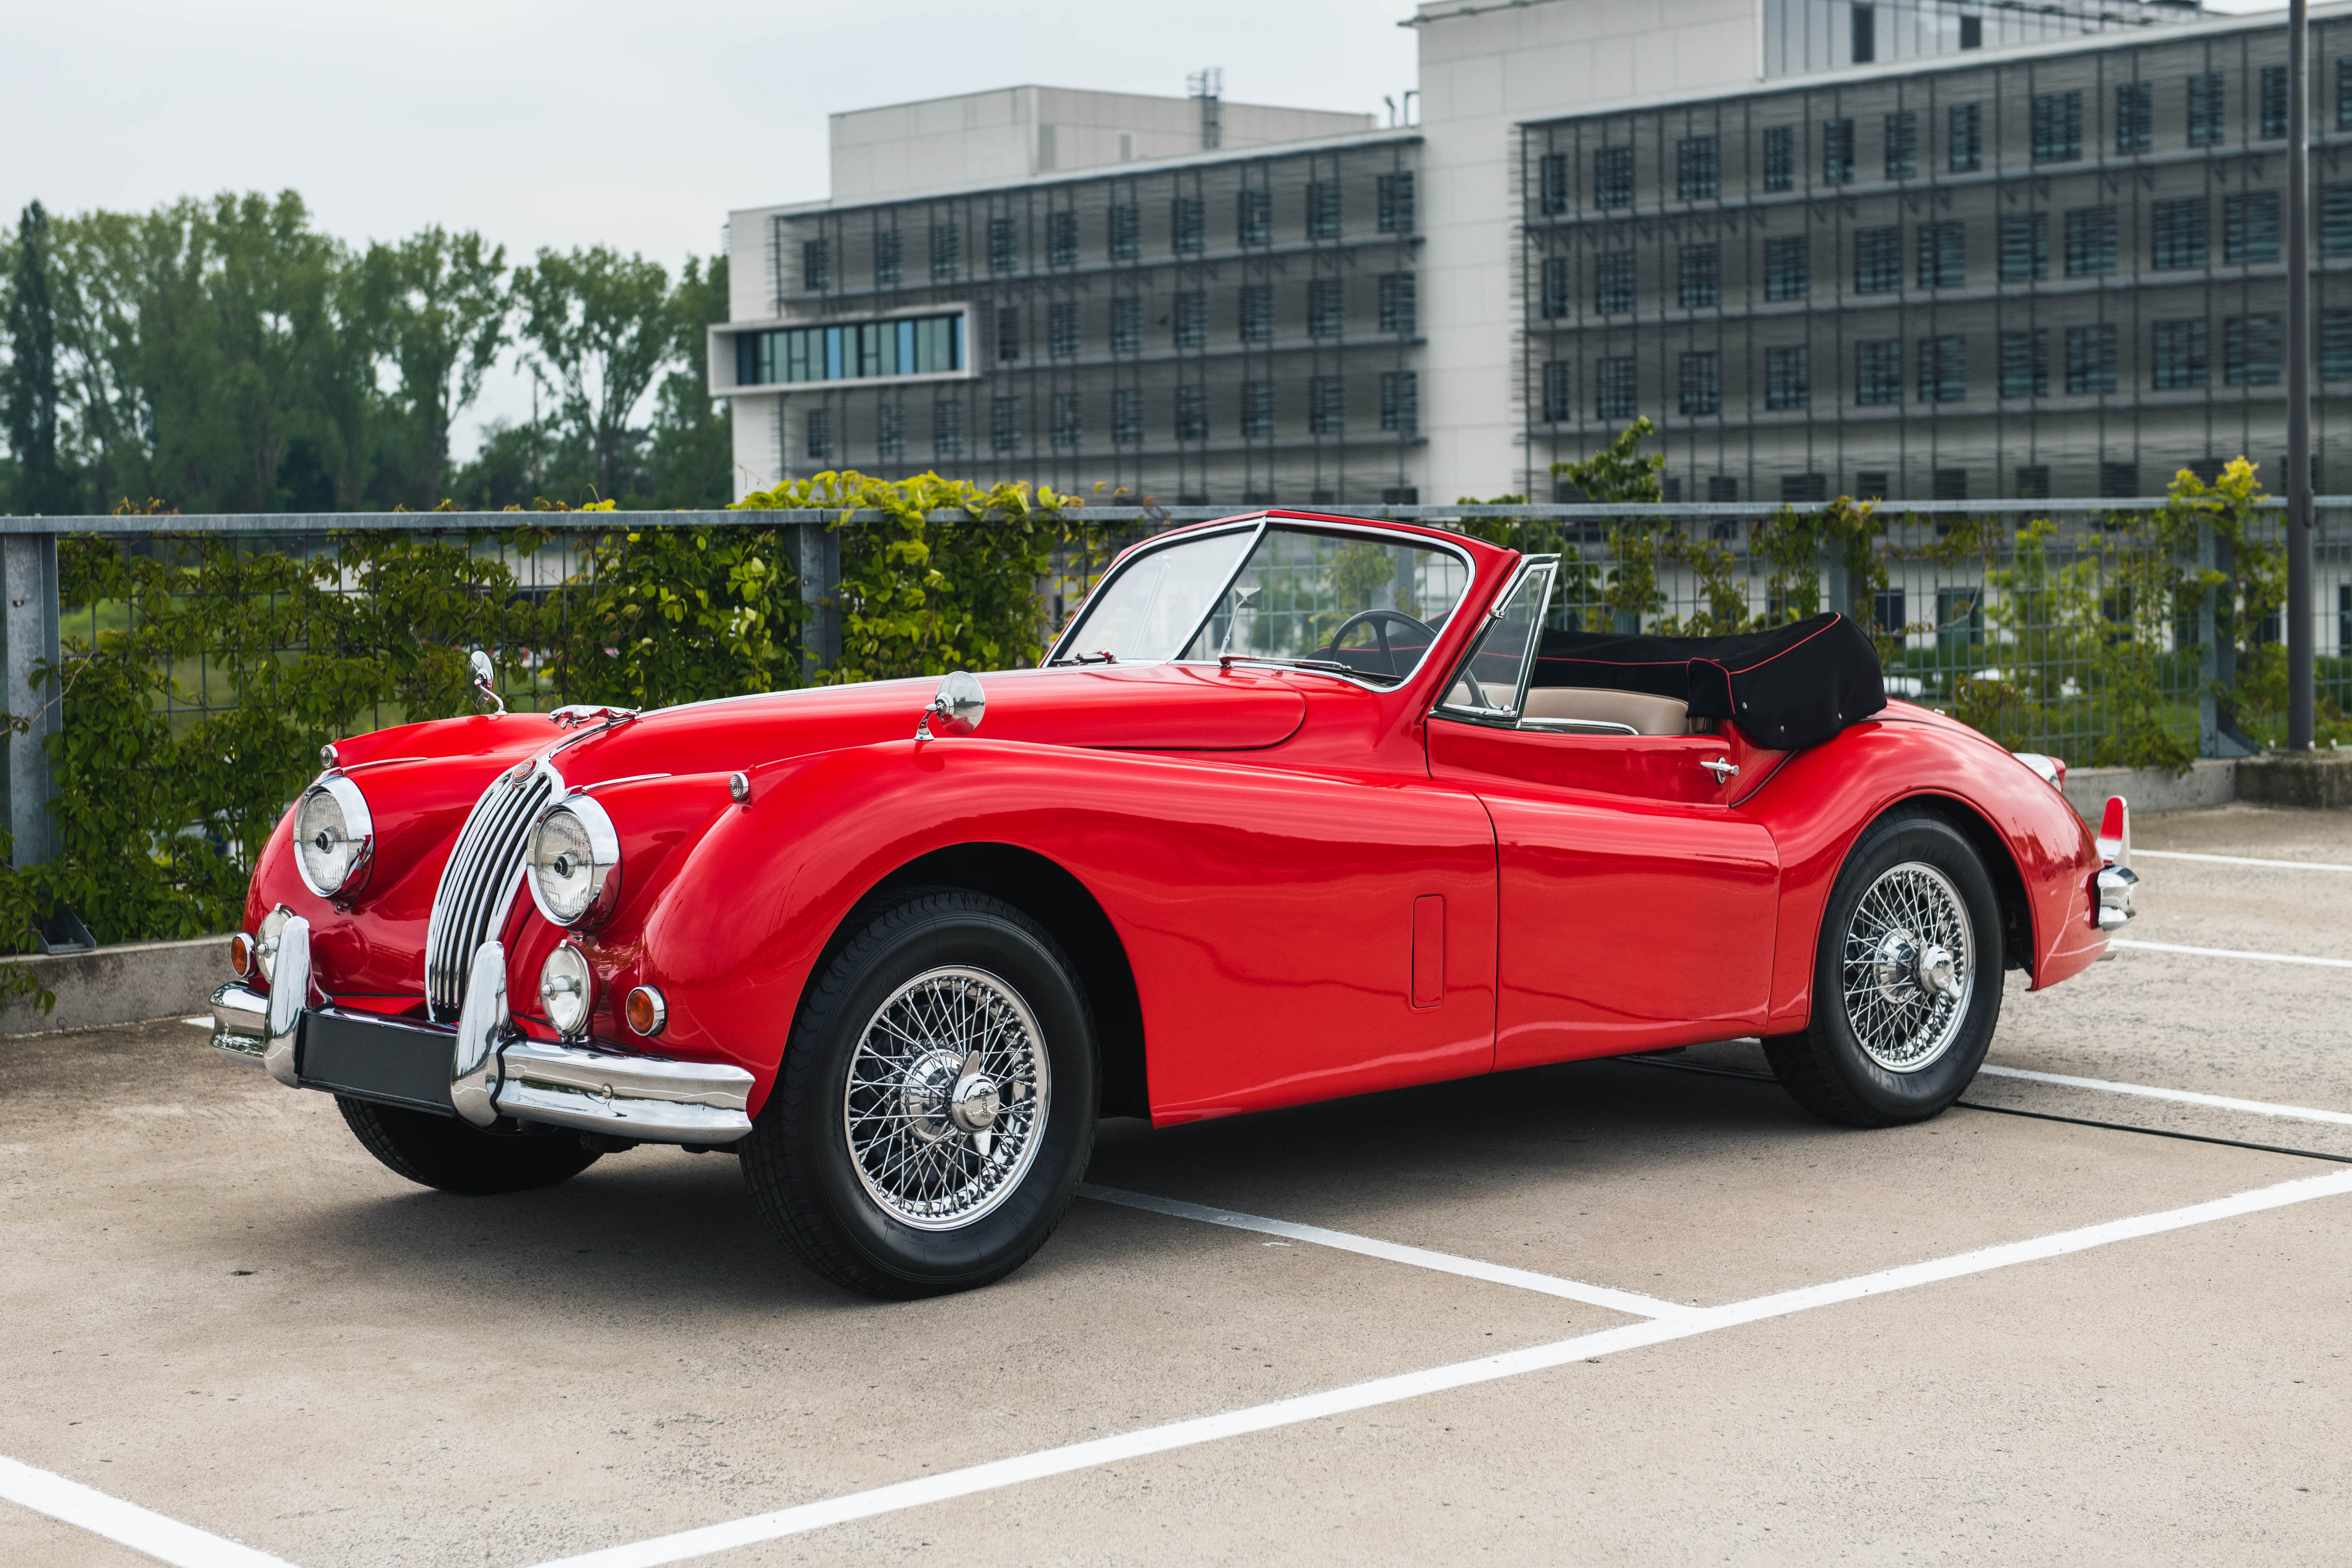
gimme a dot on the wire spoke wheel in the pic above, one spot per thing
(1908, 967)
(948, 1091)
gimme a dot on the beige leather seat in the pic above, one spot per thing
(1637, 711)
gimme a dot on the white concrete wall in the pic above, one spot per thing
(1480, 75)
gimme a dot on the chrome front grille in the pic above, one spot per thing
(479, 885)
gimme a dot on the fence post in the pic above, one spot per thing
(2209, 655)
(28, 600)
(819, 564)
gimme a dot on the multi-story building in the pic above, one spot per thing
(1916, 247)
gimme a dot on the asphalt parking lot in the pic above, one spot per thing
(1654, 1314)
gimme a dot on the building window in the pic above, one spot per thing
(1837, 152)
(1870, 483)
(1257, 312)
(816, 265)
(1943, 255)
(1190, 315)
(1254, 216)
(1551, 183)
(1903, 145)
(1325, 307)
(1787, 267)
(2032, 484)
(2118, 481)
(1125, 232)
(1878, 373)
(1886, 606)
(1192, 414)
(1127, 417)
(1326, 405)
(885, 258)
(2249, 228)
(1187, 227)
(820, 435)
(1700, 380)
(2336, 348)
(918, 345)
(1062, 329)
(1615, 397)
(947, 252)
(1062, 239)
(2344, 93)
(2090, 241)
(1557, 377)
(890, 432)
(1394, 197)
(1066, 419)
(2180, 233)
(1943, 369)
(2250, 351)
(1008, 334)
(1556, 288)
(2091, 359)
(1802, 488)
(1878, 260)
(2135, 117)
(1003, 244)
(1959, 612)
(1780, 157)
(1004, 424)
(1323, 209)
(1698, 168)
(1964, 138)
(1613, 290)
(1398, 314)
(1401, 401)
(1788, 377)
(1126, 325)
(947, 427)
(1257, 411)
(2274, 105)
(1866, 34)
(2336, 220)
(1699, 283)
(2024, 247)
(2179, 356)
(2057, 126)
(1612, 176)
(2025, 364)
(2205, 110)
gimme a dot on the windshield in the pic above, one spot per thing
(1373, 604)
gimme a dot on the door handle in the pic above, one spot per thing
(1724, 769)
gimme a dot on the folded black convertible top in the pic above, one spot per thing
(1792, 686)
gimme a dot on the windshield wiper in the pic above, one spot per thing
(1104, 656)
(1227, 660)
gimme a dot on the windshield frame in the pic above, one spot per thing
(1259, 527)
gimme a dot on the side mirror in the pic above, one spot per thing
(485, 675)
(956, 709)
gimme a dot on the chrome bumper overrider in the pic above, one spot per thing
(494, 1072)
(2113, 886)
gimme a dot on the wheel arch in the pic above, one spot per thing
(1999, 862)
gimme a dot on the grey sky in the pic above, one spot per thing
(544, 124)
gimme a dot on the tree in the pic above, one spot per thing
(30, 391)
(600, 328)
(446, 305)
(693, 445)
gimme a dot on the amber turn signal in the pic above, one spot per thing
(646, 1012)
(240, 955)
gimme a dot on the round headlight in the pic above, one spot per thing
(265, 947)
(566, 988)
(334, 834)
(575, 861)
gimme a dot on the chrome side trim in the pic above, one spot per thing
(474, 1059)
(289, 990)
(240, 1022)
(649, 1098)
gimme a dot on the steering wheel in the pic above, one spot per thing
(1379, 620)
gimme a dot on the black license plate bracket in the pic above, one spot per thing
(384, 1059)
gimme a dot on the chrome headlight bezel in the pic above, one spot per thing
(601, 845)
(567, 990)
(359, 830)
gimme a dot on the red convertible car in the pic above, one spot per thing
(1297, 808)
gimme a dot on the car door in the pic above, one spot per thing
(1636, 900)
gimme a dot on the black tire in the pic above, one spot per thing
(798, 1158)
(1826, 1068)
(455, 1156)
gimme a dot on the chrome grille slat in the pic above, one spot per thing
(479, 884)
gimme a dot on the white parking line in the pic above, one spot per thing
(2237, 860)
(1443, 1262)
(2184, 1096)
(2233, 953)
(167, 1539)
(199, 1023)
(999, 1473)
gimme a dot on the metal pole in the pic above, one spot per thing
(29, 612)
(2297, 609)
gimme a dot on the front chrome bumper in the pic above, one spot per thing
(494, 1071)
(2112, 888)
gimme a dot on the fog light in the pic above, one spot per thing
(647, 1012)
(566, 988)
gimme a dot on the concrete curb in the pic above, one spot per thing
(2312, 781)
(126, 984)
(2208, 784)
